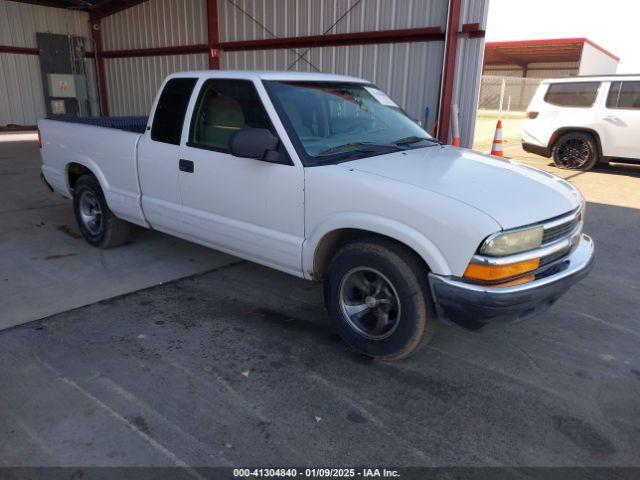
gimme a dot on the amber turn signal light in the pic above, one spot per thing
(494, 273)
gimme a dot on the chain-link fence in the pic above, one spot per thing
(517, 95)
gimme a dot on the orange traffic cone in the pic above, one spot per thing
(496, 148)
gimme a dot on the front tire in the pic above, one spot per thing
(378, 298)
(97, 223)
(575, 151)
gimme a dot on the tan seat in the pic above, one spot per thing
(222, 117)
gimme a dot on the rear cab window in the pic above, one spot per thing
(171, 109)
(572, 94)
(624, 95)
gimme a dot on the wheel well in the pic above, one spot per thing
(561, 131)
(334, 240)
(74, 172)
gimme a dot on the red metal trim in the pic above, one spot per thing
(18, 128)
(19, 50)
(473, 30)
(339, 39)
(449, 70)
(528, 43)
(505, 68)
(359, 38)
(156, 52)
(96, 35)
(212, 22)
(552, 41)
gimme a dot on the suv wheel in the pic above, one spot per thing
(98, 225)
(378, 298)
(576, 151)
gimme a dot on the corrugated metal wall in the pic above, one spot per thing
(291, 18)
(21, 93)
(469, 59)
(19, 23)
(132, 82)
(156, 23)
(21, 97)
(409, 72)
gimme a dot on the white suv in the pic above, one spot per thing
(583, 120)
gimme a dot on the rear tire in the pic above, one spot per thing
(378, 298)
(576, 151)
(97, 223)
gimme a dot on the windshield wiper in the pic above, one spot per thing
(340, 148)
(415, 139)
(362, 147)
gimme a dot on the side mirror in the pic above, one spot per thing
(257, 143)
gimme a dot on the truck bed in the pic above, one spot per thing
(107, 147)
(128, 124)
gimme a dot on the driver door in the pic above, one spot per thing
(247, 207)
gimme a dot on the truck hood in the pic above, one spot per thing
(514, 195)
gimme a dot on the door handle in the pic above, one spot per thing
(610, 117)
(185, 165)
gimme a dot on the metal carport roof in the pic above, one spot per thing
(524, 52)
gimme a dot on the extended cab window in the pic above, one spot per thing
(223, 108)
(624, 95)
(171, 109)
(578, 94)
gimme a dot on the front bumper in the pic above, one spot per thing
(473, 306)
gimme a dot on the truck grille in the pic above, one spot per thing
(558, 230)
(563, 230)
(549, 259)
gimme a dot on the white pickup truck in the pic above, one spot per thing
(324, 177)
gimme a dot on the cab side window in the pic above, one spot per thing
(171, 109)
(624, 95)
(223, 108)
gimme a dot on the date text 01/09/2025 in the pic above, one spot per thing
(316, 472)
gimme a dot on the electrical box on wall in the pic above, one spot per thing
(58, 107)
(62, 85)
(64, 76)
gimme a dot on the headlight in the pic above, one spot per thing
(508, 243)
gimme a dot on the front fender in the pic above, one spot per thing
(375, 224)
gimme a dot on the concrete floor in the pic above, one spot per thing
(232, 367)
(609, 184)
(44, 253)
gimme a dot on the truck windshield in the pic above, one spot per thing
(330, 122)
